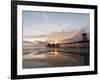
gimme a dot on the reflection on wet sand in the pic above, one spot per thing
(53, 58)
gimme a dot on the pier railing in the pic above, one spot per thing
(81, 47)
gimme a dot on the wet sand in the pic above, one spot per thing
(51, 59)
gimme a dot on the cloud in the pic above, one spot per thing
(55, 36)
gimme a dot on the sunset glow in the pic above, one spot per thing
(52, 27)
(51, 39)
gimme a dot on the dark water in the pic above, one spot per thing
(41, 58)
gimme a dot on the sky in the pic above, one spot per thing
(52, 25)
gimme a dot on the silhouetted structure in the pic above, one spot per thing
(52, 45)
(84, 37)
(81, 46)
